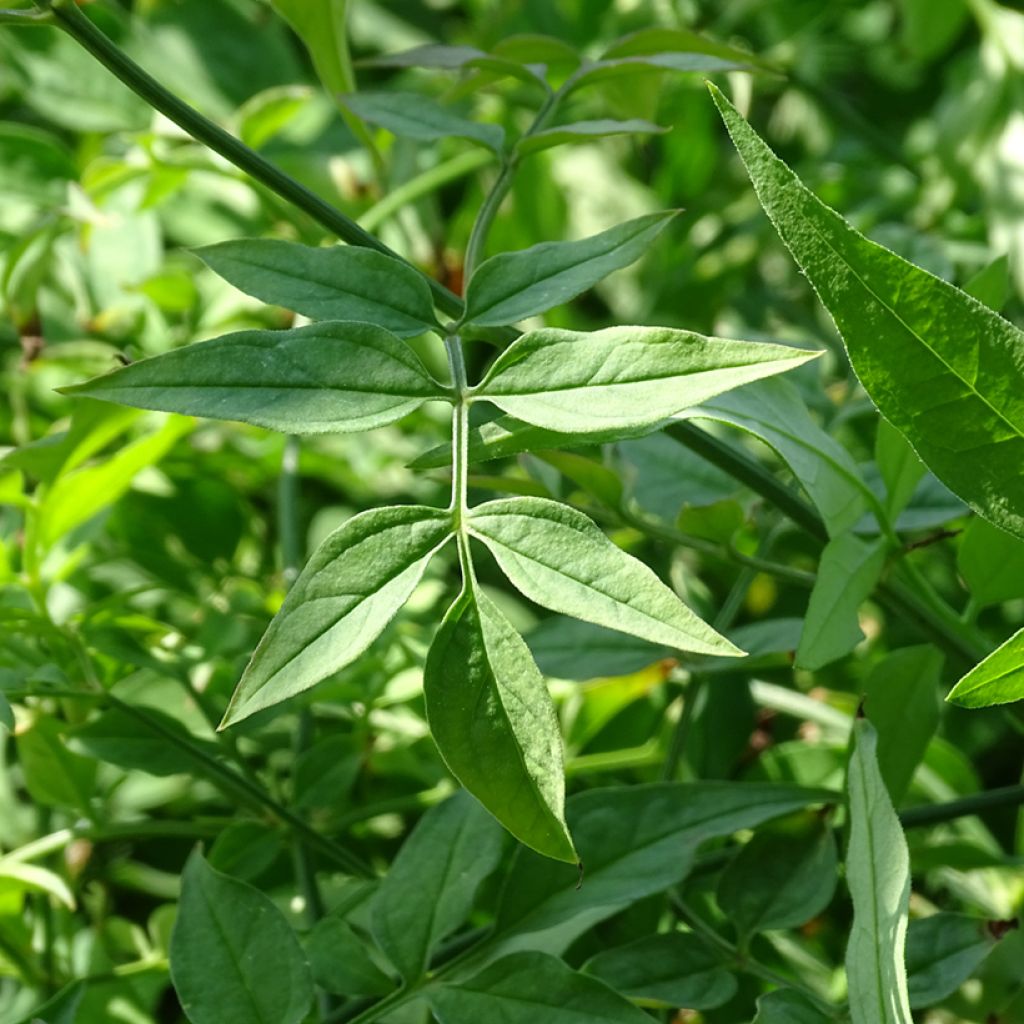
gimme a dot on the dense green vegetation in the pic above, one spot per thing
(542, 605)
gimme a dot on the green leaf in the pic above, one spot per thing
(944, 950)
(674, 969)
(901, 700)
(581, 131)
(562, 561)
(900, 467)
(234, 957)
(495, 725)
(991, 563)
(415, 116)
(847, 574)
(60, 1009)
(456, 58)
(339, 377)
(321, 25)
(940, 366)
(999, 679)
(784, 1006)
(992, 285)
(341, 961)
(16, 876)
(525, 988)
(782, 878)
(349, 591)
(566, 648)
(635, 841)
(511, 286)
(878, 875)
(432, 883)
(54, 776)
(6, 713)
(342, 282)
(622, 378)
(930, 27)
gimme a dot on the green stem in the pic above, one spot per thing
(79, 27)
(964, 807)
(460, 432)
(37, 17)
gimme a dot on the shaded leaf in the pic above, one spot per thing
(581, 131)
(784, 1006)
(341, 962)
(991, 562)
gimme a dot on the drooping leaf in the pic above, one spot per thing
(528, 987)
(634, 841)
(847, 573)
(999, 679)
(234, 957)
(878, 875)
(349, 591)
(676, 969)
(415, 116)
(991, 563)
(622, 378)
(341, 962)
(941, 367)
(431, 885)
(944, 950)
(512, 286)
(782, 878)
(784, 1006)
(325, 377)
(581, 131)
(343, 282)
(902, 703)
(561, 560)
(494, 722)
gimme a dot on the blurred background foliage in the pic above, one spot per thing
(906, 115)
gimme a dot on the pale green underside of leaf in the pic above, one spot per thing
(511, 286)
(234, 957)
(415, 116)
(340, 283)
(527, 988)
(878, 875)
(329, 377)
(847, 573)
(999, 679)
(349, 591)
(494, 723)
(945, 370)
(562, 561)
(622, 377)
(582, 131)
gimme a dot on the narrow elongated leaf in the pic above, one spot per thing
(878, 874)
(17, 876)
(999, 679)
(430, 888)
(991, 563)
(635, 841)
(941, 367)
(344, 282)
(321, 26)
(495, 725)
(847, 573)
(676, 969)
(525, 988)
(234, 957)
(415, 116)
(561, 560)
(511, 286)
(782, 878)
(310, 380)
(622, 377)
(348, 592)
(581, 131)
(944, 950)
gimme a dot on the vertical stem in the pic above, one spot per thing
(288, 510)
(460, 429)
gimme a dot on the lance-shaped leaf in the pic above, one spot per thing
(878, 874)
(348, 592)
(525, 988)
(999, 679)
(455, 58)
(582, 131)
(234, 957)
(622, 377)
(430, 888)
(787, 1006)
(310, 380)
(941, 367)
(494, 722)
(321, 24)
(344, 282)
(414, 116)
(511, 286)
(561, 560)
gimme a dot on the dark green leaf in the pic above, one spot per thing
(349, 591)
(234, 958)
(310, 380)
(339, 283)
(784, 1006)
(495, 725)
(341, 961)
(991, 563)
